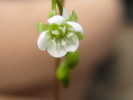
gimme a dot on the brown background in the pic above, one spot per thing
(27, 71)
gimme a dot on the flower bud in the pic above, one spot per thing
(72, 59)
(63, 74)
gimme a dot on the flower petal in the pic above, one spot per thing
(75, 27)
(57, 19)
(70, 42)
(43, 40)
(55, 49)
(65, 14)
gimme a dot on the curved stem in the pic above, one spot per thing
(54, 7)
(59, 3)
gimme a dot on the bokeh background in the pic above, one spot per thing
(106, 53)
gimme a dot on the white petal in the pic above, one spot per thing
(56, 19)
(56, 50)
(65, 14)
(76, 27)
(70, 43)
(43, 40)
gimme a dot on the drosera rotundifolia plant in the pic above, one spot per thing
(60, 37)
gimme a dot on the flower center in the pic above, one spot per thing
(63, 29)
(56, 32)
(69, 35)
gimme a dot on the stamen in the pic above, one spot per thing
(63, 42)
(55, 32)
(69, 35)
(58, 42)
(53, 41)
(63, 29)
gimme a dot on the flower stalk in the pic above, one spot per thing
(59, 3)
(54, 7)
(56, 82)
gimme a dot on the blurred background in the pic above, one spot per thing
(106, 54)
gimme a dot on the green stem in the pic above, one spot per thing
(59, 3)
(54, 7)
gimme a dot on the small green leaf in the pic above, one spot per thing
(41, 27)
(73, 17)
(63, 74)
(79, 35)
(72, 59)
(67, 25)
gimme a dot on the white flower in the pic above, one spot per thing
(61, 36)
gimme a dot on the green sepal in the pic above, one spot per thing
(63, 74)
(72, 59)
(73, 17)
(79, 35)
(54, 26)
(41, 27)
(67, 25)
